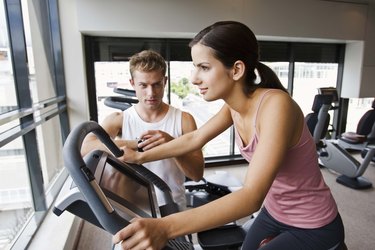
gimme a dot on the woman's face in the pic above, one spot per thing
(209, 74)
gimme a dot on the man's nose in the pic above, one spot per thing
(150, 90)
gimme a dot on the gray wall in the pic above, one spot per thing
(287, 20)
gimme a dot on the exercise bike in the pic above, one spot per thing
(107, 192)
(331, 154)
(210, 188)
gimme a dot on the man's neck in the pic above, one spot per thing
(152, 115)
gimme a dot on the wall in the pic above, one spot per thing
(73, 63)
(293, 20)
(287, 18)
(368, 73)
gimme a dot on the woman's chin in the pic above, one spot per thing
(208, 98)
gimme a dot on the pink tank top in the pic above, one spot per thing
(298, 196)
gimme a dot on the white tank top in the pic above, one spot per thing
(133, 126)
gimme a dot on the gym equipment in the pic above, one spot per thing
(229, 236)
(107, 192)
(123, 102)
(318, 120)
(364, 135)
(332, 92)
(210, 188)
(333, 156)
(338, 159)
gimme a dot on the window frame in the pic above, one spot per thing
(109, 48)
(32, 116)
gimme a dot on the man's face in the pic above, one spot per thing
(149, 88)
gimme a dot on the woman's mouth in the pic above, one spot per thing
(203, 90)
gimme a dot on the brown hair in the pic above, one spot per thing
(146, 61)
(232, 41)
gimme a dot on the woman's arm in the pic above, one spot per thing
(191, 163)
(186, 143)
(279, 126)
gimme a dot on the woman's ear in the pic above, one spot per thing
(238, 70)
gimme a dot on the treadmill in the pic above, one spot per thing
(107, 192)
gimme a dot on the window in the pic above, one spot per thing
(16, 203)
(185, 96)
(108, 76)
(301, 67)
(357, 108)
(282, 71)
(112, 70)
(33, 118)
(8, 99)
(308, 77)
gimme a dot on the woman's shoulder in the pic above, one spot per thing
(273, 95)
(270, 91)
(276, 100)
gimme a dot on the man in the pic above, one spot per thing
(152, 122)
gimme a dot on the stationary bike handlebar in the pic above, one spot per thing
(85, 180)
(88, 186)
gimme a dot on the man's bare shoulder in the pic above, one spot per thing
(114, 117)
(188, 122)
(186, 114)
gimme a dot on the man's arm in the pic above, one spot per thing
(112, 124)
(192, 164)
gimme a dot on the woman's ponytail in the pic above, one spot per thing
(268, 78)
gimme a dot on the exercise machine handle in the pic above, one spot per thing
(78, 134)
(91, 191)
(84, 179)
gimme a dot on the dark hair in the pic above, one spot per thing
(232, 41)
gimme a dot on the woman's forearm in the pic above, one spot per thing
(93, 143)
(177, 147)
(211, 215)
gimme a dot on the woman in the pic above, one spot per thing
(283, 177)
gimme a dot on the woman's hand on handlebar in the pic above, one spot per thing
(142, 234)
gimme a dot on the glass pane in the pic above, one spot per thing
(185, 96)
(357, 108)
(108, 76)
(8, 99)
(40, 67)
(16, 205)
(50, 150)
(281, 69)
(308, 77)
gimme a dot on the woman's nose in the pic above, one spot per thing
(194, 77)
